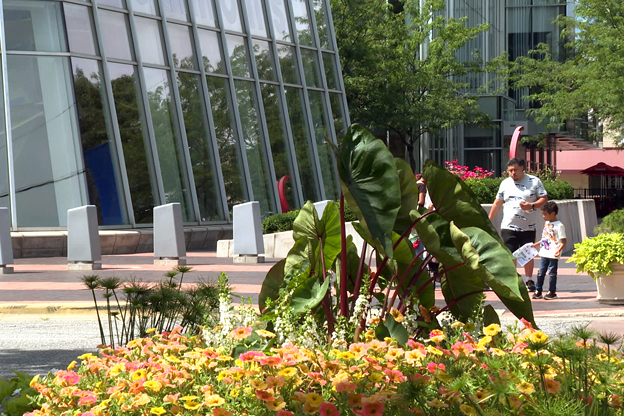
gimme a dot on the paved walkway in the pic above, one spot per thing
(42, 293)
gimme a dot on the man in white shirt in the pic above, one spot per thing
(520, 196)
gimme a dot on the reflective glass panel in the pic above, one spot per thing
(290, 75)
(212, 58)
(279, 145)
(231, 15)
(254, 148)
(302, 22)
(181, 45)
(255, 15)
(309, 59)
(175, 9)
(264, 60)
(321, 23)
(204, 12)
(4, 167)
(229, 153)
(144, 6)
(134, 141)
(237, 50)
(329, 63)
(150, 40)
(170, 158)
(34, 26)
(279, 17)
(115, 35)
(200, 148)
(115, 3)
(322, 135)
(49, 173)
(104, 182)
(303, 150)
(340, 126)
(79, 28)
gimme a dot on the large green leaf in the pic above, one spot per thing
(369, 182)
(396, 330)
(490, 316)
(522, 309)
(455, 201)
(308, 295)
(271, 284)
(409, 195)
(326, 230)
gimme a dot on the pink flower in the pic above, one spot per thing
(250, 355)
(284, 413)
(395, 376)
(87, 400)
(328, 409)
(372, 409)
(240, 333)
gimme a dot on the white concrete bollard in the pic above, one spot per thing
(169, 246)
(248, 243)
(320, 207)
(83, 239)
(6, 245)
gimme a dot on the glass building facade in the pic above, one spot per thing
(130, 104)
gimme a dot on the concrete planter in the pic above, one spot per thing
(611, 288)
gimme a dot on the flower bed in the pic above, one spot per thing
(450, 373)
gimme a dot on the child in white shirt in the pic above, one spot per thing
(552, 242)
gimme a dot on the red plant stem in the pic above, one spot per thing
(388, 305)
(359, 276)
(344, 299)
(325, 301)
(415, 276)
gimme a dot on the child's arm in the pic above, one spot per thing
(560, 247)
(536, 245)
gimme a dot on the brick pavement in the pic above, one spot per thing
(43, 285)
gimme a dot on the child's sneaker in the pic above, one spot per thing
(550, 295)
(537, 295)
(530, 284)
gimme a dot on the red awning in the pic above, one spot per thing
(602, 169)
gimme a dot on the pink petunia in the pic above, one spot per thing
(328, 409)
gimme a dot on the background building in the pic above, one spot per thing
(129, 104)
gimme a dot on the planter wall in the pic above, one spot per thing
(611, 288)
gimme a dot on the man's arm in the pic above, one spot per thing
(534, 205)
(496, 207)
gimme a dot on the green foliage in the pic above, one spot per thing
(612, 223)
(558, 190)
(14, 395)
(485, 189)
(279, 222)
(594, 255)
(390, 84)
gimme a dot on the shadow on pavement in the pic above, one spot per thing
(36, 362)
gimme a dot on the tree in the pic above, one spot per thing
(401, 69)
(588, 83)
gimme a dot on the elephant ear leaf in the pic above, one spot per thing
(271, 284)
(308, 295)
(369, 182)
(409, 195)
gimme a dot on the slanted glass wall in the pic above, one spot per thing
(129, 104)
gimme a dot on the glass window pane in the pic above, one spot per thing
(115, 35)
(231, 15)
(204, 12)
(4, 166)
(279, 17)
(340, 125)
(264, 60)
(134, 141)
(49, 173)
(329, 63)
(255, 14)
(170, 158)
(302, 22)
(322, 136)
(321, 23)
(115, 3)
(79, 28)
(254, 148)
(144, 6)
(303, 150)
(310, 68)
(279, 145)
(104, 182)
(211, 51)
(180, 40)
(237, 51)
(150, 40)
(34, 26)
(200, 149)
(176, 9)
(229, 154)
(290, 75)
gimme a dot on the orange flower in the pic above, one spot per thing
(373, 409)
(355, 400)
(328, 409)
(345, 387)
(265, 395)
(552, 386)
(219, 411)
(240, 333)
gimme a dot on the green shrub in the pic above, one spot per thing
(485, 189)
(284, 222)
(612, 223)
(558, 190)
(14, 395)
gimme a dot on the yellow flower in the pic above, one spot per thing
(153, 385)
(346, 356)
(496, 352)
(398, 316)
(71, 366)
(433, 350)
(436, 403)
(213, 400)
(150, 331)
(525, 387)
(288, 372)
(191, 405)
(375, 377)
(141, 400)
(116, 369)
(492, 330)
(138, 374)
(457, 324)
(600, 357)
(158, 410)
(484, 341)
(313, 399)
(467, 410)
(258, 384)
(276, 405)
(538, 336)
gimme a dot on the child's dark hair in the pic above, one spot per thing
(550, 207)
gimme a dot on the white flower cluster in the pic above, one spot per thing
(362, 305)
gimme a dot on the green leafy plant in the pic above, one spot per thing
(594, 255)
(612, 223)
(279, 222)
(382, 193)
(485, 189)
(14, 395)
(558, 189)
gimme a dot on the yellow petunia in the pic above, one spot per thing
(538, 336)
(313, 399)
(288, 372)
(213, 400)
(467, 409)
(492, 330)
(525, 387)
(153, 385)
(158, 410)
